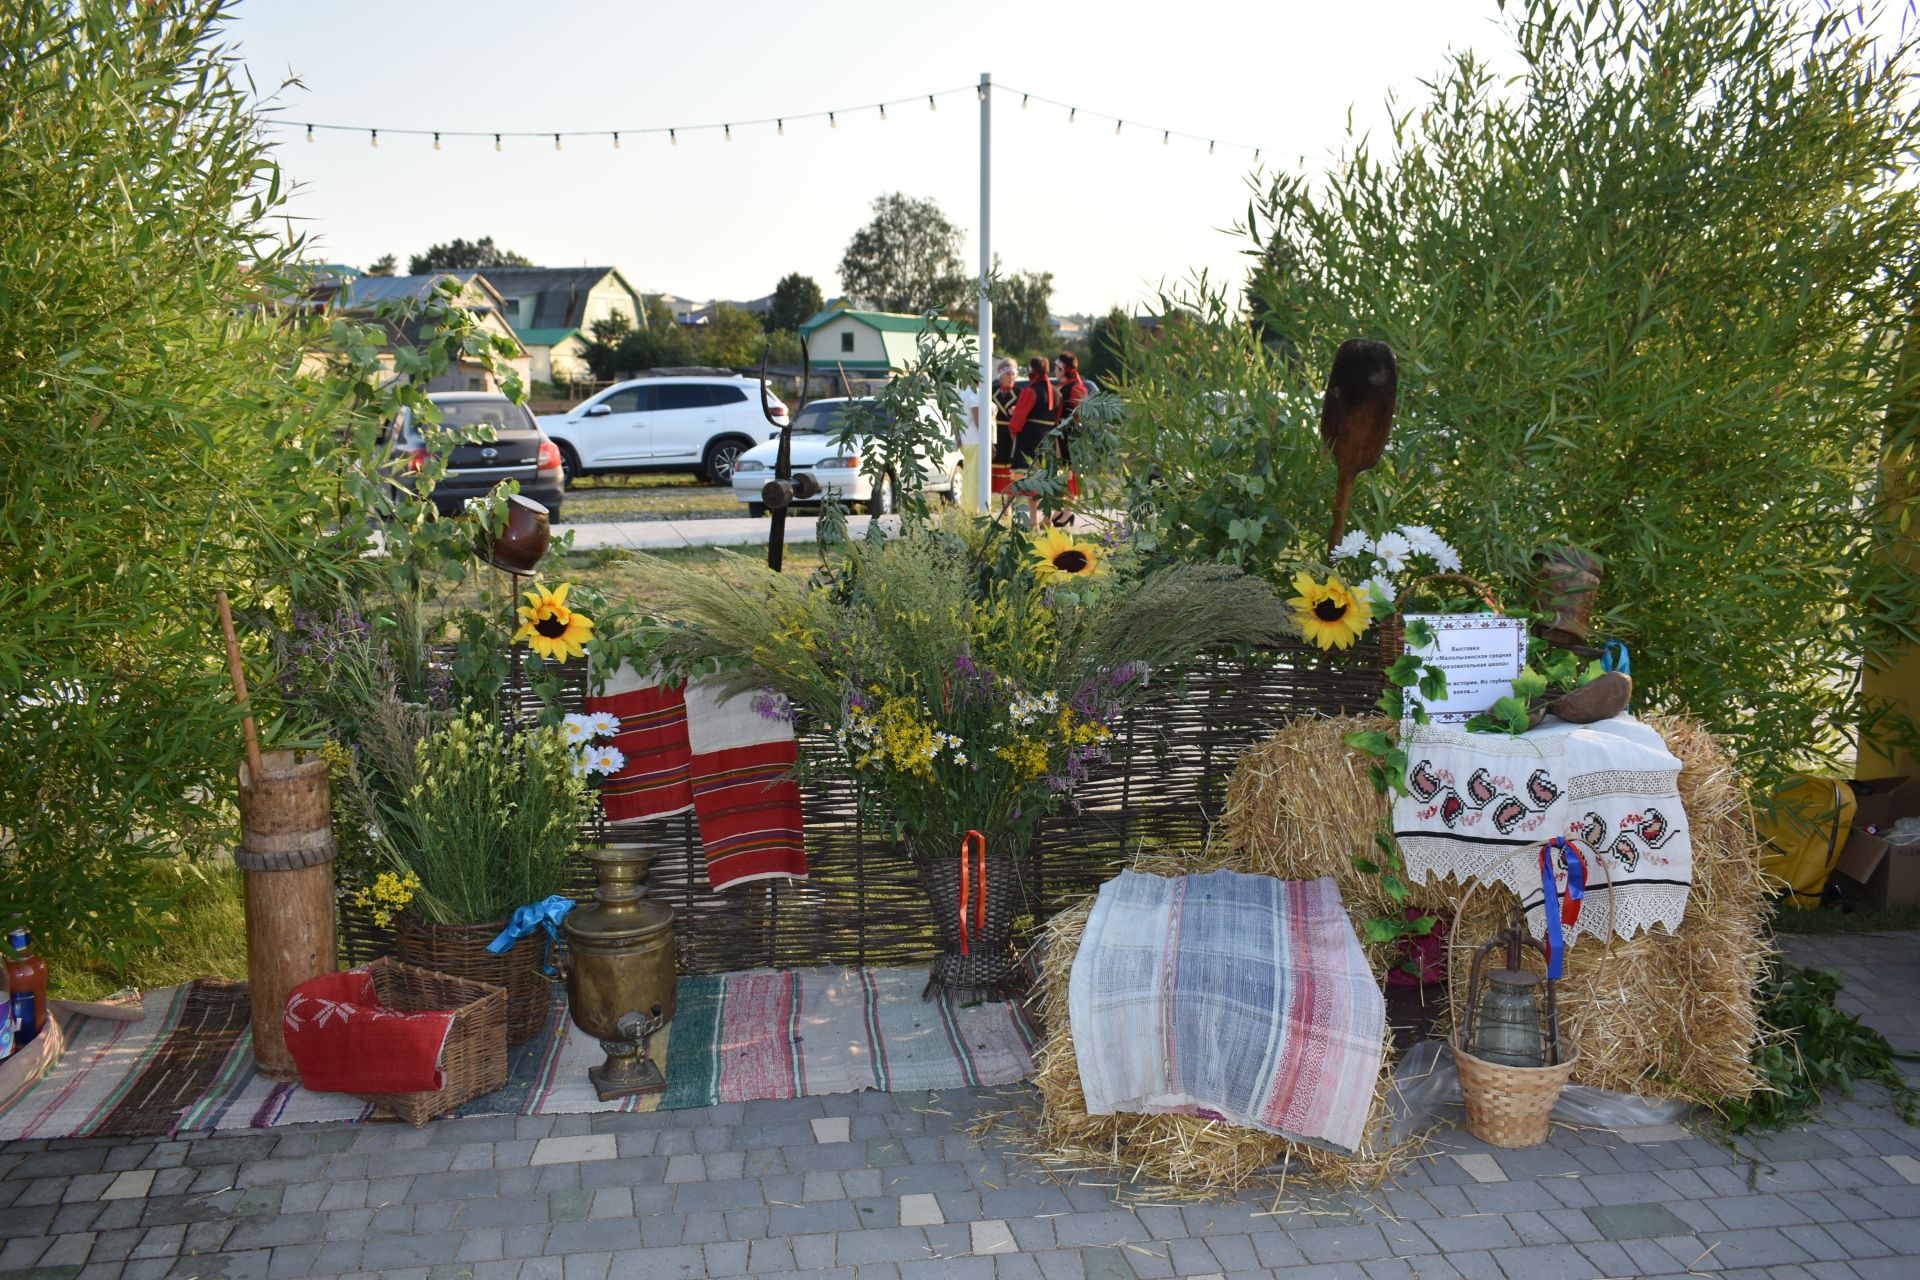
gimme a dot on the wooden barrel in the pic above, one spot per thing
(286, 849)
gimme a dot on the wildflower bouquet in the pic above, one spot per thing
(971, 677)
(1368, 574)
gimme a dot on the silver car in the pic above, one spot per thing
(837, 469)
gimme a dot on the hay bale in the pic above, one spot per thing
(1662, 1016)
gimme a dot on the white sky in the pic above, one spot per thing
(1110, 216)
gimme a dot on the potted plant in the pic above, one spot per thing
(972, 676)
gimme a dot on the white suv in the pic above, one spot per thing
(697, 424)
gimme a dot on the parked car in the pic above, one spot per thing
(837, 468)
(519, 450)
(678, 423)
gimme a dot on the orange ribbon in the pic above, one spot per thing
(968, 843)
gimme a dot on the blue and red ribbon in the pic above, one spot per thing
(1559, 911)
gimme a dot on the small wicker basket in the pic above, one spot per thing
(474, 1062)
(1509, 1106)
(1393, 627)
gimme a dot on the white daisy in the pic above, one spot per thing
(1356, 543)
(604, 724)
(1392, 551)
(1446, 559)
(609, 760)
(1421, 538)
(1380, 591)
(579, 728)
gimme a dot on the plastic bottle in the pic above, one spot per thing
(27, 976)
(6, 1016)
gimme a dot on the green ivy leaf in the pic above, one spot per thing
(1529, 684)
(1373, 742)
(1405, 670)
(1419, 635)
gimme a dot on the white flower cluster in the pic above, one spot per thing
(1382, 558)
(583, 733)
(1026, 709)
(858, 735)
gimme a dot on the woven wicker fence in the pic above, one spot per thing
(862, 903)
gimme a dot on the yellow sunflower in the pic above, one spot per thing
(551, 629)
(1331, 614)
(1059, 557)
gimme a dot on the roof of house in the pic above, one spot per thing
(884, 321)
(364, 291)
(546, 337)
(560, 293)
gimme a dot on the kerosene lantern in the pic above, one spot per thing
(621, 972)
(1512, 1016)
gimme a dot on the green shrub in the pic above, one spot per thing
(1647, 297)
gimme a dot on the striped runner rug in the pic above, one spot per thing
(188, 1065)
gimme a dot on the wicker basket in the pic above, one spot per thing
(989, 970)
(461, 951)
(1393, 627)
(1509, 1106)
(474, 1062)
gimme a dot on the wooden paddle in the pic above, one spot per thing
(240, 688)
(1356, 417)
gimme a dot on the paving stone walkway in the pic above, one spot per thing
(892, 1187)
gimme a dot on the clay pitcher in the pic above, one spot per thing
(518, 547)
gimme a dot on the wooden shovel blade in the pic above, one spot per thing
(1357, 413)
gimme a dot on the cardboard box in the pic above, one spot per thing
(1888, 873)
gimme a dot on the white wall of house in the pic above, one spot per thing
(564, 361)
(850, 342)
(606, 300)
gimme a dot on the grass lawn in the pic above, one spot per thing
(203, 936)
(649, 497)
(1866, 917)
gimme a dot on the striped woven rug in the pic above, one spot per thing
(188, 1065)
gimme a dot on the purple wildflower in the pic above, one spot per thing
(770, 704)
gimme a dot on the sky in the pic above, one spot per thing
(1112, 217)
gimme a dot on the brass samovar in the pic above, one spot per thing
(621, 972)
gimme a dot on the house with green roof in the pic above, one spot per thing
(558, 355)
(871, 342)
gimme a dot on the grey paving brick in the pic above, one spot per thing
(1487, 1232)
(1635, 1221)
(594, 1235)
(895, 1244)
(389, 1252)
(682, 1262)
(725, 1258)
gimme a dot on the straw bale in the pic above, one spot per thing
(1662, 1016)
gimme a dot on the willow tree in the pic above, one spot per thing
(1647, 296)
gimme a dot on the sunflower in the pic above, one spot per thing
(1331, 615)
(1059, 557)
(551, 629)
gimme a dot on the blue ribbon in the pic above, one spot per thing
(1550, 904)
(1614, 657)
(525, 921)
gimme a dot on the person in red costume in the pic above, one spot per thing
(1073, 394)
(1035, 415)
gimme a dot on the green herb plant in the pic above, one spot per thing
(1811, 1045)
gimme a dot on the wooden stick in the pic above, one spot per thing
(240, 687)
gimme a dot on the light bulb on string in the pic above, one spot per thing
(373, 138)
(496, 143)
(931, 104)
(556, 142)
(1116, 127)
(980, 93)
(729, 131)
(616, 142)
(1073, 114)
(1209, 147)
(1166, 138)
(673, 137)
(832, 121)
(780, 128)
(883, 111)
(1023, 102)
(1256, 155)
(309, 133)
(436, 142)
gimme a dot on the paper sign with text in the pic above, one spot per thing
(1482, 654)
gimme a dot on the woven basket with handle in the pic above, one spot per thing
(474, 1062)
(1393, 627)
(461, 951)
(1510, 1106)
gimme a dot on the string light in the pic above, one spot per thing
(309, 133)
(1166, 137)
(436, 142)
(616, 142)
(1116, 127)
(556, 142)
(496, 143)
(1209, 146)
(780, 127)
(1023, 102)
(373, 138)
(883, 111)
(729, 129)
(1072, 114)
(980, 93)
(673, 138)
(931, 104)
(832, 122)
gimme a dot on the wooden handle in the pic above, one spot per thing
(240, 686)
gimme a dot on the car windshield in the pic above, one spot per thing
(823, 419)
(501, 415)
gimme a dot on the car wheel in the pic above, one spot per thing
(755, 510)
(721, 455)
(569, 467)
(884, 499)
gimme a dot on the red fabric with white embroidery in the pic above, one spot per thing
(344, 1040)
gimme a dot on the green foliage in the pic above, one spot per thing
(1647, 297)
(1022, 305)
(1812, 1045)
(907, 259)
(154, 446)
(460, 255)
(382, 265)
(732, 339)
(1103, 359)
(489, 820)
(796, 300)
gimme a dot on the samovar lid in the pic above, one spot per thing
(624, 922)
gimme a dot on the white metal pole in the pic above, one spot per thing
(983, 436)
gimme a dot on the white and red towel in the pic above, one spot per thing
(730, 760)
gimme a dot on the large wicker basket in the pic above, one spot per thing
(1509, 1106)
(988, 969)
(474, 1062)
(461, 950)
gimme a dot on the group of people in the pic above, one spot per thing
(1035, 416)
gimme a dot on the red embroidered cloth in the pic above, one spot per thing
(344, 1040)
